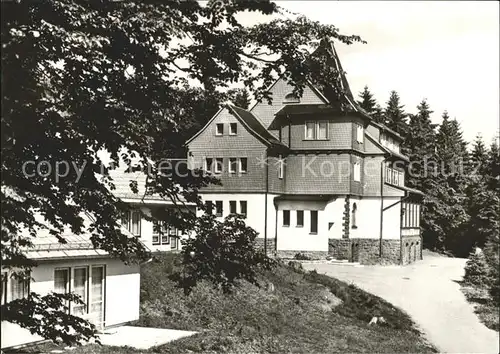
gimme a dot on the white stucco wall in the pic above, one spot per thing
(368, 218)
(122, 292)
(299, 238)
(256, 216)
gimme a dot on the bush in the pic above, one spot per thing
(301, 257)
(477, 270)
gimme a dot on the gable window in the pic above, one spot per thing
(243, 207)
(360, 133)
(317, 130)
(291, 98)
(232, 164)
(314, 221)
(300, 218)
(232, 206)
(243, 165)
(281, 167)
(208, 164)
(219, 129)
(219, 162)
(233, 128)
(218, 208)
(357, 171)
(286, 217)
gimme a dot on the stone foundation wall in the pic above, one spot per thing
(365, 251)
(271, 245)
(411, 248)
(309, 254)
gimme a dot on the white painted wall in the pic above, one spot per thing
(122, 292)
(368, 218)
(255, 209)
(299, 238)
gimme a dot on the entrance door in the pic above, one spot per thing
(97, 296)
(354, 252)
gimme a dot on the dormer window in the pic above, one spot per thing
(291, 98)
(233, 128)
(219, 129)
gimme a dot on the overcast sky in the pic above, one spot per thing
(447, 52)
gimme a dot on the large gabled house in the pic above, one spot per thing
(312, 176)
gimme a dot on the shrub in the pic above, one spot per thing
(302, 257)
(477, 270)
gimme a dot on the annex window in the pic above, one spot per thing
(219, 163)
(97, 295)
(208, 164)
(62, 281)
(243, 165)
(300, 218)
(218, 208)
(411, 215)
(232, 164)
(209, 207)
(219, 129)
(360, 132)
(4, 287)
(291, 98)
(286, 217)
(357, 171)
(314, 221)
(232, 206)
(160, 233)
(243, 207)
(233, 128)
(80, 288)
(281, 167)
(317, 130)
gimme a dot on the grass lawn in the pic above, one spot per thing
(305, 312)
(484, 306)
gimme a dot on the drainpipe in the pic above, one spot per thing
(265, 203)
(382, 168)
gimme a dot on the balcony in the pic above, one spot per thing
(394, 177)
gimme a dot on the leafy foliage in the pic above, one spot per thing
(48, 316)
(134, 79)
(223, 253)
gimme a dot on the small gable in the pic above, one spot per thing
(282, 94)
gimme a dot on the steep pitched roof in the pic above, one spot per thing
(249, 121)
(386, 150)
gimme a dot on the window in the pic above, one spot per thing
(209, 207)
(322, 130)
(233, 128)
(218, 208)
(281, 167)
(232, 164)
(411, 215)
(310, 130)
(4, 287)
(175, 243)
(243, 207)
(243, 165)
(314, 221)
(80, 289)
(359, 133)
(160, 233)
(353, 219)
(291, 98)
(300, 218)
(209, 164)
(357, 171)
(219, 129)
(135, 224)
(97, 295)
(316, 130)
(219, 163)
(61, 280)
(286, 217)
(232, 206)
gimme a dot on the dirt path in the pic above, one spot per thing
(429, 293)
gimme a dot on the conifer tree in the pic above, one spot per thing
(394, 114)
(493, 167)
(479, 157)
(240, 97)
(370, 105)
